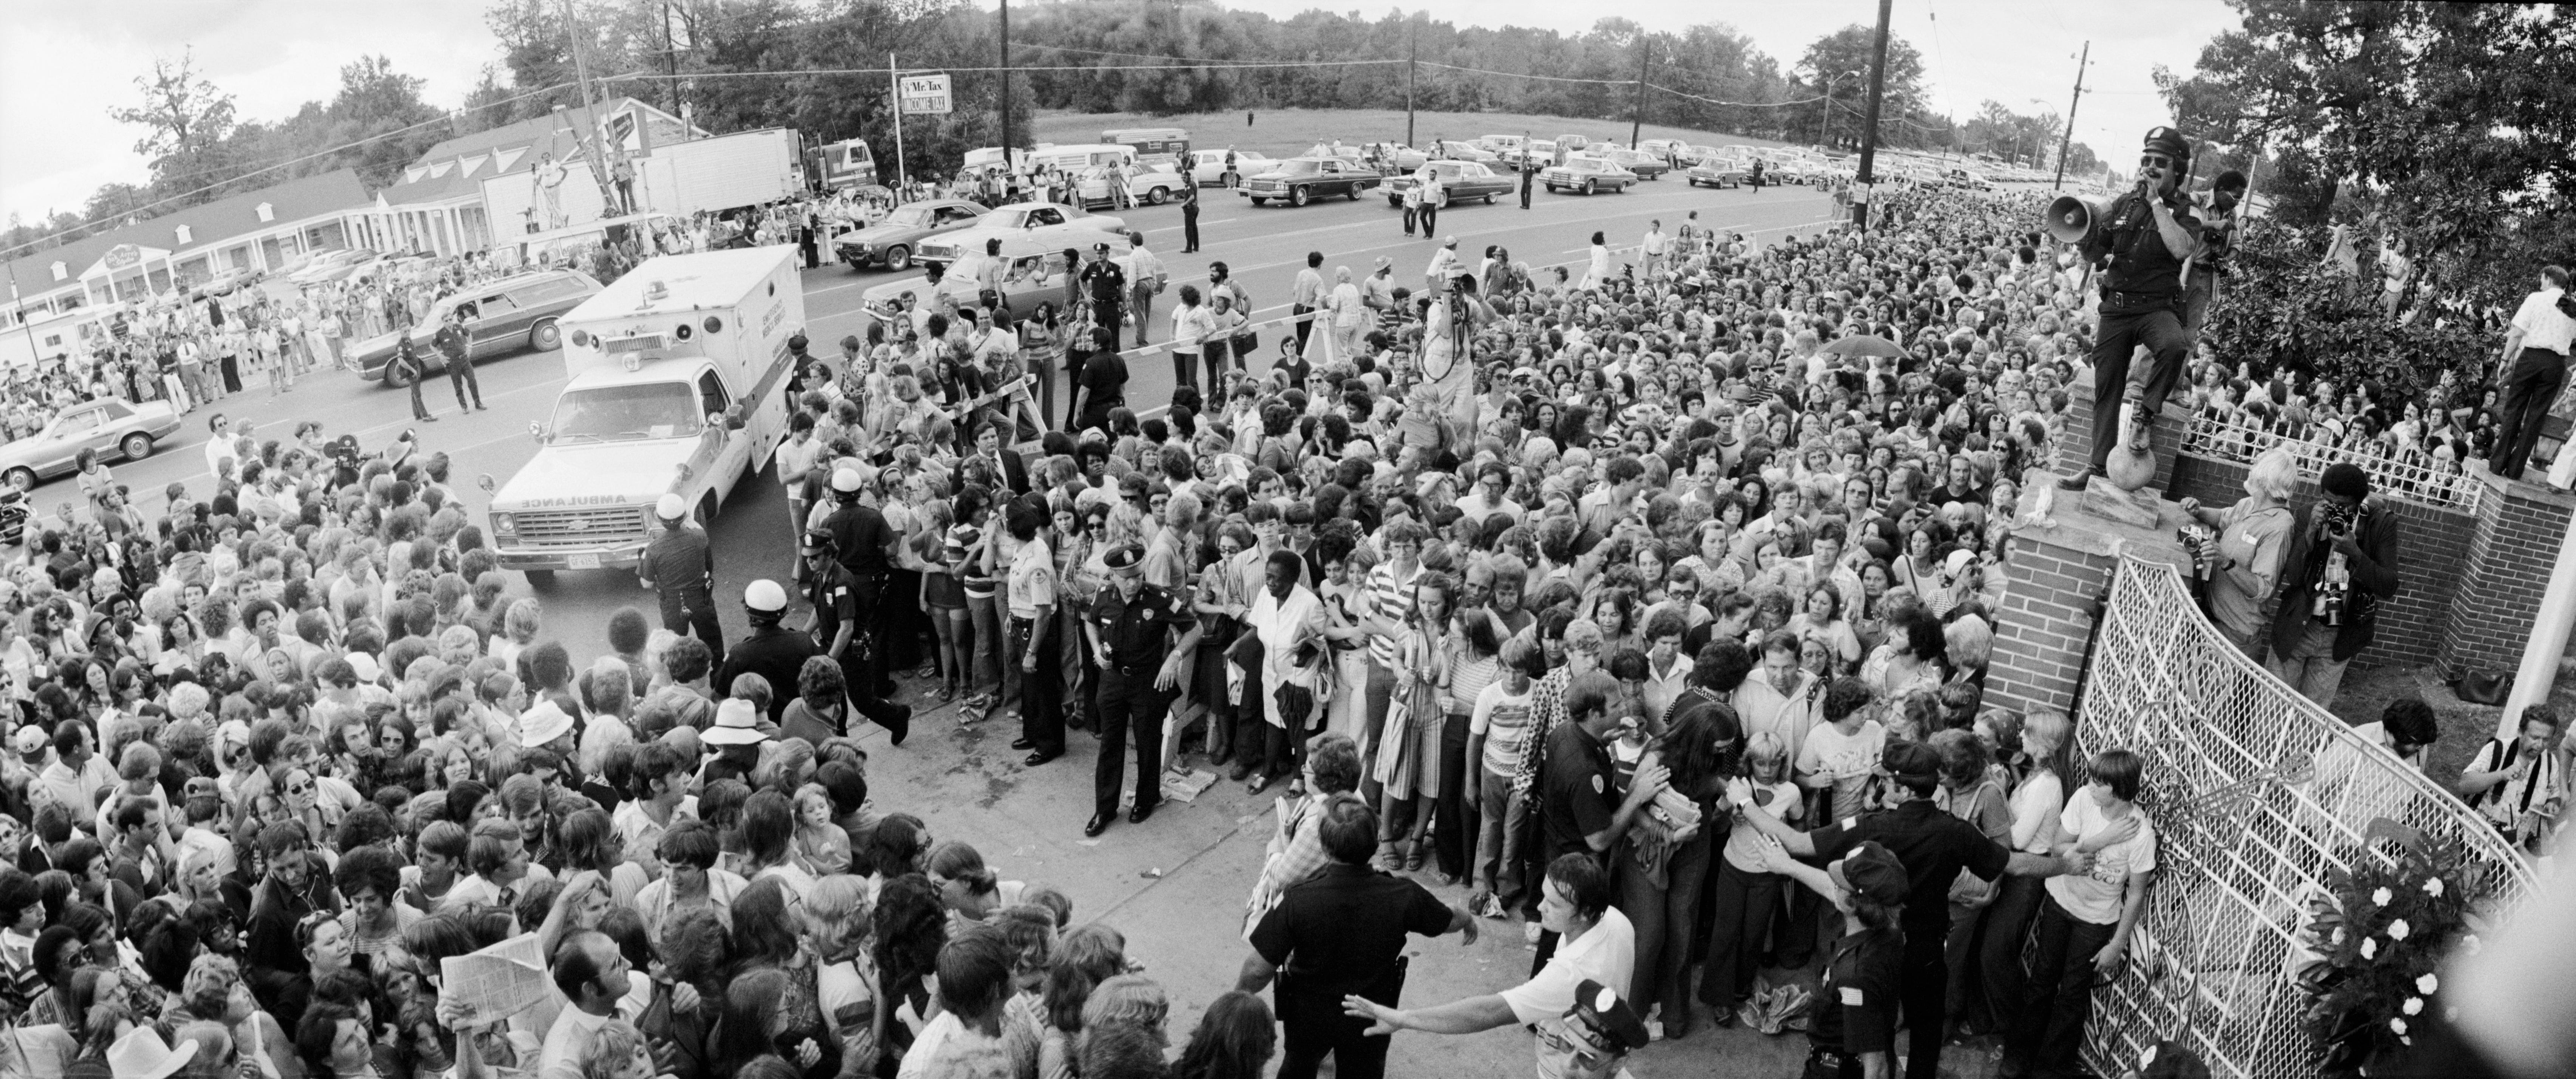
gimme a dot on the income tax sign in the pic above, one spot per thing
(922, 93)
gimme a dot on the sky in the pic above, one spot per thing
(63, 63)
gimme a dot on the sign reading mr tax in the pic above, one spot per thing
(919, 94)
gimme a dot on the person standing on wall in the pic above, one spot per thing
(1190, 217)
(2341, 567)
(2530, 372)
(2144, 238)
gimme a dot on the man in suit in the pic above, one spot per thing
(1006, 464)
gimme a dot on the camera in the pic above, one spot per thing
(2202, 545)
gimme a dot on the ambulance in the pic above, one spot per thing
(677, 374)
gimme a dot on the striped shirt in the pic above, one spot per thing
(1390, 598)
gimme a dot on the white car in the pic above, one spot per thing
(1209, 171)
(1016, 219)
(1151, 185)
(1587, 175)
(1465, 151)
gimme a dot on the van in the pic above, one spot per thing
(1079, 158)
(1150, 143)
(674, 386)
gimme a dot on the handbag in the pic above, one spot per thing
(1967, 889)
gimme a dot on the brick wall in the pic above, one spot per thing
(2075, 450)
(2433, 547)
(2059, 574)
(2511, 553)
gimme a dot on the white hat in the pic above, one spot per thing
(737, 724)
(845, 480)
(31, 739)
(764, 595)
(1959, 561)
(365, 666)
(140, 1055)
(670, 508)
(542, 724)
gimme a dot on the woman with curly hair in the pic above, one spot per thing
(907, 929)
(837, 917)
(768, 936)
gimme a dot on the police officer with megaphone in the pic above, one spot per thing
(2140, 241)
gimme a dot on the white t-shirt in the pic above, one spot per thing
(2095, 896)
(2039, 798)
(1847, 758)
(1606, 953)
(1744, 842)
(1503, 718)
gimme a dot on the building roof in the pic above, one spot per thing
(457, 167)
(208, 225)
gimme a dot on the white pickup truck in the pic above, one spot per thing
(676, 377)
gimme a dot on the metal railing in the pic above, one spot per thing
(2257, 797)
(2421, 480)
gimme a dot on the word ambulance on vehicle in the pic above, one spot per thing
(676, 378)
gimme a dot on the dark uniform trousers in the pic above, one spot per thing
(2529, 388)
(1129, 703)
(876, 621)
(2158, 327)
(860, 655)
(677, 564)
(1189, 226)
(1314, 1026)
(694, 609)
(1041, 690)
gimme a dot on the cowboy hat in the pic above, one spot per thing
(140, 1055)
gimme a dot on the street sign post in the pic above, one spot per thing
(923, 94)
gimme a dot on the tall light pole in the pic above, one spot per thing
(2068, 142)
(1824, 123)
(1645, 55)
(1869, 130)
(1413, 58)
(1006, 85)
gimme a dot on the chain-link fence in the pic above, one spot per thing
(2256, 795)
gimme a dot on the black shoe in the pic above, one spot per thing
(1099, 823)
(2077, 481)
(1038, 757)
(901, 728)
(1240, 771)
(1138, 814)
(1023, 743)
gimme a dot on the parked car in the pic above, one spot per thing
(1033, 272)
(1669, 148)
(1460, 180)
(1589, 175)
(1646, 166)
(1150, 185)
(116, 429)
(1533, 155)
(504, 316)
(1397, 156)
(223, 283)
(891, 242)
(1716, 172)
(1210, 169)
(320, 267)
(1012, 222)
(1300, 180)
(355, 265)
(1464, 151)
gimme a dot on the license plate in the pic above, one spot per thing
(585, 561)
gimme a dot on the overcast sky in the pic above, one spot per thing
(64, 62)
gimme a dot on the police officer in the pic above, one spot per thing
(680, 567)
(406, 369)
(1106, 283)
(798, 360)
(455, 346)
(834, 592)
(772, 651)
(1140, 633)
(2141, 240)
(864, 545)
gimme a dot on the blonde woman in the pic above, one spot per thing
(2253, 540)
(2046, 738)
(835, 915)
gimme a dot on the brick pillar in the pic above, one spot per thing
(2075, 450)
(2059, 571)
(2512, 552)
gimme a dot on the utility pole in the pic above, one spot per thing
(671, 59)
(1413, 57)
(1869, 126)
(1006, 86)
(894, 96)
(2069, 141)
(588, 130)
(1637, 118)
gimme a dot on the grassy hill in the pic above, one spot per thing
(1282, 132)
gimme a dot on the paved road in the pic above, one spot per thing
(1176, 884)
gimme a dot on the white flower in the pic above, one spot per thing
(2428, 985)
(2433, 887)
(2470, 944)
(2370, 948)
(2380, 898)
(2337, 938)
(2397, 1025)
(2413, 1006)
(2398, 929)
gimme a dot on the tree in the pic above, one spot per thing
(185, 120)
(1842, 60)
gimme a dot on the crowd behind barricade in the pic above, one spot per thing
(1619, 606)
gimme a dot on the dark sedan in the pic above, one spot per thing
(1459, 182)
(1300, 180)
(890, 243)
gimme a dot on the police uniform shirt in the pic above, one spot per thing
(679, 558)
(2141, 263)
(1859, 994)
(835, 597)
(859, 535)
(1932, 845)
(1340, 931)
(1581, 791)
(1136, 631)
(775, 653)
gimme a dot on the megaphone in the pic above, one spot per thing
(2068, 217)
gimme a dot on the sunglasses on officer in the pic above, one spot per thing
(2155, 161)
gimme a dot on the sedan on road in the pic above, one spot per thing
(1300, 180)
(1716, 172)
(116, 429)
(1209, 171)
(1459, 181)
(1646, 166)
(1009, 223)
(1588, 175)
(502, 316)
(891, 242)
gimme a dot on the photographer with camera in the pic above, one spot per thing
(2142, 241)
(2342, 566)
(2218, 212)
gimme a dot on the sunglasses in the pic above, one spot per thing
(2155, 161)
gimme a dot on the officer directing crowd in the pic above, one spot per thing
(1140, 632)
(680, 567)
(865, 546)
